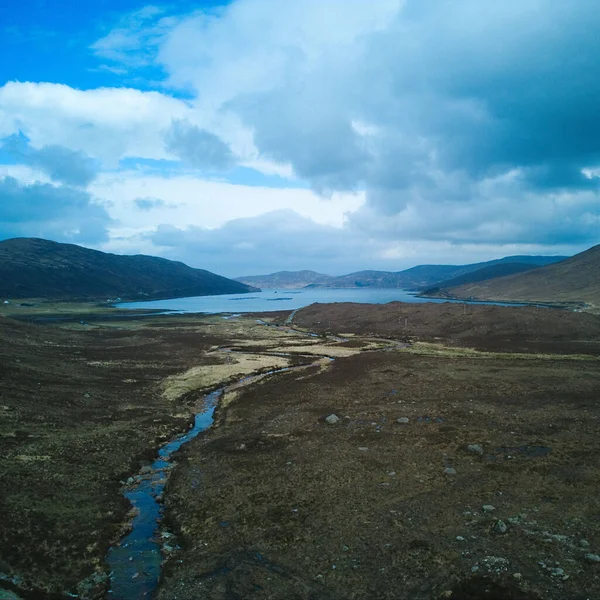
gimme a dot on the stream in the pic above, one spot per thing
(135, 561)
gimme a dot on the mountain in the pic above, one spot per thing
(36, 268)
(285, 279)
(424, 276)
(576, 279)
(497, 270)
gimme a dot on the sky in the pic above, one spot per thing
(252, 136)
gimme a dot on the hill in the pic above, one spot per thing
(425, 276)
(576, 279)
(497, 270)
(36, 268)
(285, 279)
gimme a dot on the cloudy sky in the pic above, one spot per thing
(257, 135)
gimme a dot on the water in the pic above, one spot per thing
(273, 300)
(135, 563)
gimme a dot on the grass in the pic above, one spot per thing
(432, 349)
(209, 376)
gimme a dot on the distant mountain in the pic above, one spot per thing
(285, 279)
(497, 270)
(576, 279)
(36, 268)
(425, 276)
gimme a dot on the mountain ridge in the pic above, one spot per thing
(415, 278)
(38, 268)
(573, 280)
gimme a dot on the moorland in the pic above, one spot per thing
(463, 455)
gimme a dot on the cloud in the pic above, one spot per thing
(43, 210)
(282, 239)
(198, 148)
(408, 99)
(107, 124)
(285, 240)
(148, 204)
(454, 126)
(134, 40)
(61, 164)
(190, 200)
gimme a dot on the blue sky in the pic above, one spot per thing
(49, 40)
(336, 135)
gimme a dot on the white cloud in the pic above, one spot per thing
(105, 123)
(464, 127)
(211, 204)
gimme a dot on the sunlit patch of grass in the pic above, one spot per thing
(209, 376)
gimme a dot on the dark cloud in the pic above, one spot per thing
(198, 148)
(310, 133)
(56, 212)
(61, 164)
(448, 93)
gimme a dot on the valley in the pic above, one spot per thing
(441, 412)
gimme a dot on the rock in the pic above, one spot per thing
(332, 419)
(403, 420)
(517, 576)
(488, 508)
(145, 470)
(460, 538)
(363, 448)
(475, 449)
(130, 481)
(345, 548)
(450, 471)
(86, 395)
(500, 527)
(592, 558)
(584, 543)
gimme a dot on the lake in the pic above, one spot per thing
(272, 300)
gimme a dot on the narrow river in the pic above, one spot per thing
(135, 561)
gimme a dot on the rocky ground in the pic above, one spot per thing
(464, 465)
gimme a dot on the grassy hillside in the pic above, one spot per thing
(35, 268)
(576, 279)
(497, 270)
